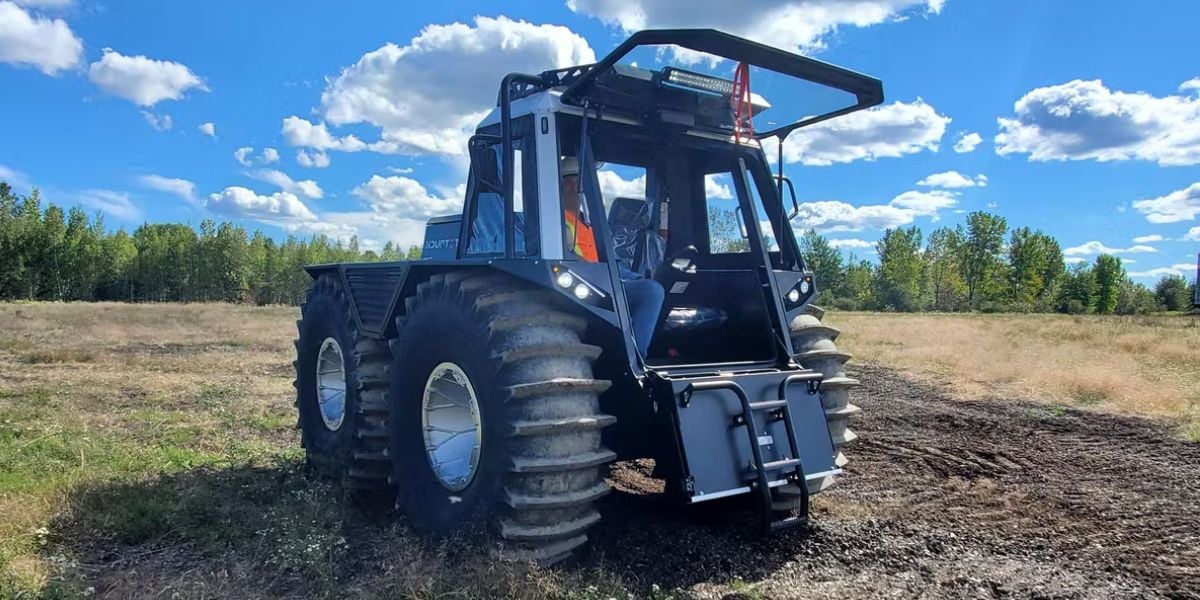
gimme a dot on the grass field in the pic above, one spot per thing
(160, 439)
(1140, 365)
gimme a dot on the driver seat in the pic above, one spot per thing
(629, 225)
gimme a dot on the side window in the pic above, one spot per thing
(726, 231)
(487, 226)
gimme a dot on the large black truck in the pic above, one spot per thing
(494, 380)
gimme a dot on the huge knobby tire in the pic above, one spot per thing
(815, 349)
(541, 463)
(355, 452)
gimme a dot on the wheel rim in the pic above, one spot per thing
(331, 384)
(451, 425)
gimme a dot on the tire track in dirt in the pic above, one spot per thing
(945, 498)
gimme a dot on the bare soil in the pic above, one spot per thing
(943, 498)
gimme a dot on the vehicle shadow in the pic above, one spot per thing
(281, 531)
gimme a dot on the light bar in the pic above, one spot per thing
(695, 81)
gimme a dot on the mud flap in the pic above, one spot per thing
(713, 443)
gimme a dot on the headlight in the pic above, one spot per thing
(803, 288)
(582, 291)
(794, 295)
(564, 280)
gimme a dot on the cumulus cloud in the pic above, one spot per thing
(307, 188)
(110, 202)
(426, 97)
(1181, 269)
(45, 44)
(302, 132)
(833, 215)
(1193, 235)
(170, 185)
(242, 155)
(270, 155)
(851, 243)
(1180, 205)
(1082, 120)
(1094, 247)
(245, 156)
(967, 142)
(143, 81)
(158, 122)
(314, 159)
(405, 198)
(208, 129)
(613, 186)
(46, 4)
(797, 25)
(14, 178)
(1146, 239)
(887, 131)
(952, 180)
(280, 208)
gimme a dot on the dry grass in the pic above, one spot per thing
(1137, 365)
(150, 451)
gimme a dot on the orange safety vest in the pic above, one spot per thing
(585, 240)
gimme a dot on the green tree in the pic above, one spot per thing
(1035, 264)
(825, 262)
(860, 276)
(898, 279)
(981, 254)
(1077, 294)
(1109, 277)
(1172, 293)
(945, 284)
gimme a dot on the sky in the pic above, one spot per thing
(1081, 119)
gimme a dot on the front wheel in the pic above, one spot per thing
(496, 414)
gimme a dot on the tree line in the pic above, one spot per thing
(982, 266)
(47, 253)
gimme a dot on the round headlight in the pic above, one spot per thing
(804, 287)
(564, 280)
(793, 295)
(582, 291)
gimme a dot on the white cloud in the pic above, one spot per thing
(887, 131)
(953, 179)
(613, 186)
(714, 188)
(851, 243)
(301, 132)
(1180, 205)
(427, 96)
(110, 202)
(315, 159)
(307, 187)
(832, 215)
(144, 81)
(208, 129)
(46, 4)
(797, 25)
(1182, 269)
(967, 142)
(280, 208)
(1082, 120)
(401, 170)
(1193, 235)
(45, 44)
(1146, 239)
(404, 198)
(1094, 247)
(14, 178)
(158, 122)
(171, 185)
(270, 155)
(1074, 260)
(242, 155)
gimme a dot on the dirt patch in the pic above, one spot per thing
(944, 498)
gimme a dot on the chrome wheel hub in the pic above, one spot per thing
(331, 384)
(451, 423)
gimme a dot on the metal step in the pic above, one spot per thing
(768, 405)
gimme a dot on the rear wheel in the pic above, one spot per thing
(341, 391)
(497, 417)
(815, 349)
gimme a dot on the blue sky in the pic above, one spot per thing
(1078, 118)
